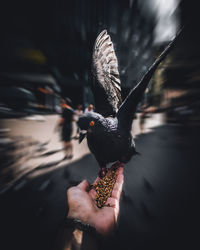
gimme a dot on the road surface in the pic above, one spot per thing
(160, 201)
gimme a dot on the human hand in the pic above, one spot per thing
(82, 205)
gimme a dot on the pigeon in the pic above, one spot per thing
(108, 129)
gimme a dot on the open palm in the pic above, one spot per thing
(82, 205)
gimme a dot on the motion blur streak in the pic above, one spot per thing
(45, 56)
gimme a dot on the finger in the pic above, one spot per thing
(95, 182)
(116, 193)
(120, 170)
(111, 202)
(93, 194)
(84, 185)
(92, 191)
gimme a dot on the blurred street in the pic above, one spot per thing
(32, 144)
(30, 147)
(52, 71)
(160, 199)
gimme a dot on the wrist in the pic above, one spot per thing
(89, 220)
(84, 218)
(78, 224)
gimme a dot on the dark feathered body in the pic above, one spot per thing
(108, 142)
(109, 129)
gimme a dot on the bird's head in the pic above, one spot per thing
(88, 123)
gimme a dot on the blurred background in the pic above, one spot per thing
(45, 57)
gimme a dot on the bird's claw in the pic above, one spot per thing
(103, 172)
(116, 165)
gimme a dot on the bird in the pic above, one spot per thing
(108, 129)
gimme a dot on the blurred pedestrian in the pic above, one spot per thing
(77, 113)
(90, 108)
(66, 123)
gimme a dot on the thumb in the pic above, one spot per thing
(84, 185)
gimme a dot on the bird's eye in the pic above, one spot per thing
(91, 123)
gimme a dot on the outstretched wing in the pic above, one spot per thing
(129, 106)
(106, 84)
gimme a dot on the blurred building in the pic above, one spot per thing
(27, 84)
(175, 87)
(49, 54)
(59, 46)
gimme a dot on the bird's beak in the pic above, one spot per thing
(82, 135)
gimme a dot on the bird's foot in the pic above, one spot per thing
(116, 165)
(103, 172)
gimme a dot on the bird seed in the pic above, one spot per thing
(104, 188)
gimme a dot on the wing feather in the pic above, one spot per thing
(106, 85)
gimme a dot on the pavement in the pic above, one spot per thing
(159, 206)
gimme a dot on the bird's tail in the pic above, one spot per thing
(128, 108)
